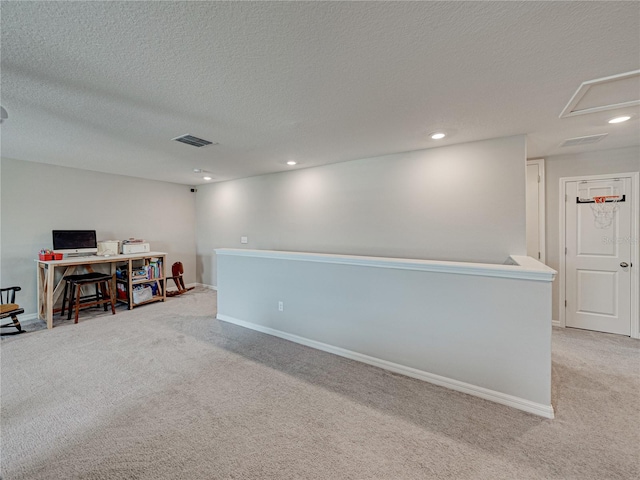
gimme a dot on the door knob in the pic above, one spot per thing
(624, 264)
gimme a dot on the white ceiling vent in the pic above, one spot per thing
(195, 141)
(572, 142)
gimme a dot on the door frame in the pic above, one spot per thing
(635, 238)
(542, 240)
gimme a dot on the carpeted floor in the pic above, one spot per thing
(165, 391)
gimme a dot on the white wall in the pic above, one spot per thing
(481, 329)
(37, 198)
(463, 202)
(619, 160)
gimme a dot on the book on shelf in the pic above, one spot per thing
(150, 271)
(154, 268)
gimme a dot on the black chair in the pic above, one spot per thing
(10, 309)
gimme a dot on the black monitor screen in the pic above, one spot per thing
(74, 239)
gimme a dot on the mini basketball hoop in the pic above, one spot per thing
(604, 208)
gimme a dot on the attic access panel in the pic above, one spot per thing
(607, 93)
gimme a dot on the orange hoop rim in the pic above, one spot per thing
(603, 198)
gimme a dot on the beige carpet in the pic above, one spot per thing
(167, 392)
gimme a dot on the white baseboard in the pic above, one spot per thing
(28, 318)
(555, 323)
(189, 285)
(34, 316)
(492, 395)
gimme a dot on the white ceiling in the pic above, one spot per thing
(105, 86)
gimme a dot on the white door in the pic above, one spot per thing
(598, 258)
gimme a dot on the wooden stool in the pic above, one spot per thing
(70, 295)
(104, 298)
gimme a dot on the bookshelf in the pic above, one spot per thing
(141, 280)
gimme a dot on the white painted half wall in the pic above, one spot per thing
(476, 328)
(37, 198)
(462, 202)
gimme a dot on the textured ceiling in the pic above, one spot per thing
(106, 85)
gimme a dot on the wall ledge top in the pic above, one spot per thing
(516, 267)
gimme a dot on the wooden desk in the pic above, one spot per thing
(49, 291)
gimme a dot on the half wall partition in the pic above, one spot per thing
(482, 329)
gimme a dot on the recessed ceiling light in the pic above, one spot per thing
(438, 135)
(621, 119)
(206, 178)
(292, 163)
(197, 170)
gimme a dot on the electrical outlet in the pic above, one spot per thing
(281, 306)
(244, 240)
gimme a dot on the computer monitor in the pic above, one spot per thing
(75, 242)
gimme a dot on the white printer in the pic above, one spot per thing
(135, 246)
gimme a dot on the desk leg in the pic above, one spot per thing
(113, 288)
(130, 281)
(58, 289)
(49, 294)
(164, 276)
(40, 280)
